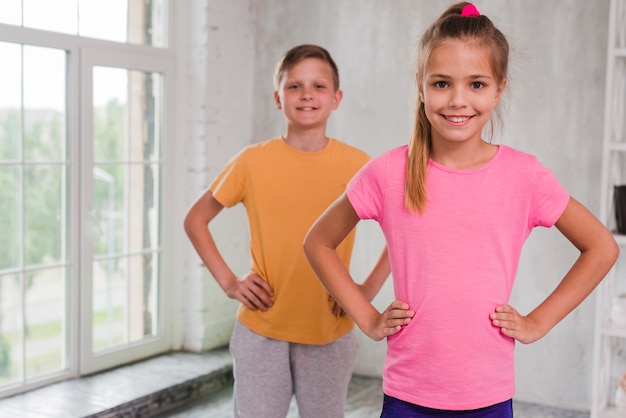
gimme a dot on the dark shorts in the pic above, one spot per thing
(395, 408)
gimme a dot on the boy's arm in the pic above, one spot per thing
(251, 290)
(598, 253)
(371, 286)
(320, 246)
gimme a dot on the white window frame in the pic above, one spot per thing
(117, 58)
(83, 54)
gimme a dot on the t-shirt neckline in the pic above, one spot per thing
(483, 167)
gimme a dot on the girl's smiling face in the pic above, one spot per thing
(459, 91)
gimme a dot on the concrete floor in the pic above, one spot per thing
(364, 401)
(188, 385)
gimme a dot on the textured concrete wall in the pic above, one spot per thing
(554, 109)
(219, 107)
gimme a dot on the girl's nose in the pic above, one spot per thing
(457, 97)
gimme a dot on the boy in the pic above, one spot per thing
(290, 336)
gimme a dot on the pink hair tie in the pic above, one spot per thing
(470, 10)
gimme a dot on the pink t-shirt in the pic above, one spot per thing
(453, 265)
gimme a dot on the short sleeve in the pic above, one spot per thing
(548, 200)
(230, 184)
(365, 190)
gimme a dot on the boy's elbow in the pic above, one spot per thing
(189, 223)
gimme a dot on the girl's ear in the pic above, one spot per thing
(419, 88)
(277, 100)
(500, 90)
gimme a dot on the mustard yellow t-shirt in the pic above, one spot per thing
(284, 190)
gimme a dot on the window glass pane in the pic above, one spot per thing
(10, 133)
(127, 129)
(110, 300)
(46, 322)
(103, 19)
(143, 195)
(56, 16)
(110, 107)
(11, 12)
(10, 101)
(110, 218)
(126, 21)
(10, 213)
(43, 198)
(146, 92)
(11, 348)
(143, 291)
(133, 21)
(44, 103)
(147, 23)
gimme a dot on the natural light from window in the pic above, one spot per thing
(81, 136)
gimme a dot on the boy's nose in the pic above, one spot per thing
(307, 94)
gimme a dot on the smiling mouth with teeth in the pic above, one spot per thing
(458, 119)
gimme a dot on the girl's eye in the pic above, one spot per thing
(477, 85)
(440, 84)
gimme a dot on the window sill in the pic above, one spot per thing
(140, 389)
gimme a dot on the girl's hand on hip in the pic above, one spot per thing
(390, 321)
(514, 325)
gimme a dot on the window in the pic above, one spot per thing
(142, 22)
(83, 129)
(34, 194)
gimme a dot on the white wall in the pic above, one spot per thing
(555, 110)
(219, 78)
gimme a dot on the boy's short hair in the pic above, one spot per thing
(300, 53)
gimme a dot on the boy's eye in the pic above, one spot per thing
(292, 87)
(320, 86)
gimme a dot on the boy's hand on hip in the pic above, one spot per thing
(254, 292)
(336, 308)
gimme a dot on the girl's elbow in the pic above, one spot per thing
(613, 251)
(308, 245)
(313, 244)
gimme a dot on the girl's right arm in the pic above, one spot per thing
(251, 290)
(320, 246)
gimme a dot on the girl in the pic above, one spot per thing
(455, 211)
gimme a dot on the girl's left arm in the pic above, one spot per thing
(598, 253)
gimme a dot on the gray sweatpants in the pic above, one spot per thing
(267, 372)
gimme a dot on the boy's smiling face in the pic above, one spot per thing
(306, 93)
